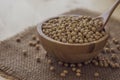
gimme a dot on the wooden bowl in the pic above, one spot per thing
(71, 53)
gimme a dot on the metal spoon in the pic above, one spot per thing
(106, 15)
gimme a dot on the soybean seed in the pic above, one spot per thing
(34, 37)
(96, 63)
(66, 64)
(96, 74)
(78, 70)
(18, 40)
(65, 71)
(115, 41)
(72, 65)
(112, 50)
(112, 65)
(118, 47)
(52, 68)
(79, 65)
(60, 62)
(78, 74)
(32, 43)
(73, 69)
(49, 61)
(37, 41)
(62, 74)
(114, 57)
(117, 65)
(24, 52)
(37, 47)
(107, 50)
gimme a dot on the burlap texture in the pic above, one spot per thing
(13, 63)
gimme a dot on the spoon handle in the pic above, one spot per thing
(106, 15)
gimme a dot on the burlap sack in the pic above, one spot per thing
(14, 63)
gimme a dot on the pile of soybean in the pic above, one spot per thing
(73, 29)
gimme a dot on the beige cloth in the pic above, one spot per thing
(13, 63)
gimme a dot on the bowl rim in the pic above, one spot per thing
(39, 30)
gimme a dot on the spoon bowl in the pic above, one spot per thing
(71, 53)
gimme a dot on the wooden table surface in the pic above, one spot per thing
(16, 15)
